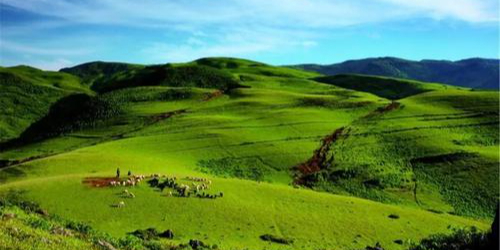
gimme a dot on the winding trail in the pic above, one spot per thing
(319, 159)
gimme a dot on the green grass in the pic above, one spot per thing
(401, 156)
(27, 231)
(26, 95)
(94, 73)
(168, 75)
(248, 141)
(390, 88)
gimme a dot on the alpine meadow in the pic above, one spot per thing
(202, 149)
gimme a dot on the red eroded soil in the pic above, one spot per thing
(382, 110)
(318, 160)
(389, 107)
(99, 181)
(213, 95)
(167, 115)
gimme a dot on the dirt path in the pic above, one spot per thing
(319, 159)
(213, 95)
(385, 109)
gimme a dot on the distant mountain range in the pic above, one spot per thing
(473, 72)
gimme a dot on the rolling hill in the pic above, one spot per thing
(26, 95)
(386, 87)
(294, 159)
(472, 73)
(93, 73)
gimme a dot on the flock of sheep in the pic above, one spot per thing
(161, 182)
(131, 181)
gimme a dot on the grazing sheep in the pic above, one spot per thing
(121, 204)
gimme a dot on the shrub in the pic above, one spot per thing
(393, 216)
(146, 234)
(460, 239)
(275, 239)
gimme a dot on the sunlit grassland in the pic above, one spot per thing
(272, 123)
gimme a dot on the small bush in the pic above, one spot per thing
(146, 234)
(461, 239)
(79, 227)
(393, 216)
(276, 239)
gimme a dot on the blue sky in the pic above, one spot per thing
(51, 34)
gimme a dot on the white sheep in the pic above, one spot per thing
(121, 204)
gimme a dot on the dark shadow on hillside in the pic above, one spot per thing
(69, 114)
(389, 88)
(174, 76)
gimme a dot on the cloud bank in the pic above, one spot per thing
(225, 27)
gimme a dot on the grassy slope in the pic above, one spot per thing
(95, 73)
(390, 88)
(26, 95)
(274, 125)
(30, 231)
(105, 77)
(438, 150)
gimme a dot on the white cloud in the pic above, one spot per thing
(55, 64)
(466, 10)
(33, 50)
(40, 63)
(228, 42)
(224, 27)
(308, 44)
(301, 13)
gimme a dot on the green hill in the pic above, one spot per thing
(390, 88)
(437, 150)
(170, 75)
(94, 73)
(472, 73)
(291, 163)
(26, 95)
